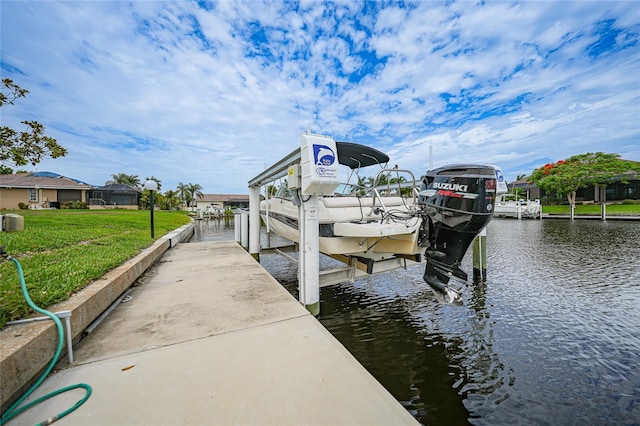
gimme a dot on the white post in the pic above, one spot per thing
(244, 229)
(603, 211)
(480, 257)
(310, 256)
(254, 222)
(519, 208)
(236, 226)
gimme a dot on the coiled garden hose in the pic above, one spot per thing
(14, 410)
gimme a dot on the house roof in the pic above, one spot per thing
(44, 180)
(522, 183)
(222, 198)
(119, 188)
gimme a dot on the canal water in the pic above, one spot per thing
(552, 337)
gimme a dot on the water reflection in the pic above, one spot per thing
(552, 337)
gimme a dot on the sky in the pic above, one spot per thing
(212, 93)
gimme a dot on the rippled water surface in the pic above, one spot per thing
(552, 336)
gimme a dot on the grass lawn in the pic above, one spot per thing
(594, 209)
(62, 251)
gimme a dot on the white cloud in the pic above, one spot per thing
(212, 95)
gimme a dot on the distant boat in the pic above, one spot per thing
(509, 205)
(438, 216)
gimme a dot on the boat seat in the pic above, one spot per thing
(334, 202)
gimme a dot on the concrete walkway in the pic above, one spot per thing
(209, 337)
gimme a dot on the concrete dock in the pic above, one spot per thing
(209, 337)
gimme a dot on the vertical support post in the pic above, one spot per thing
(244, 230)
(236, 226)
(572, 211)
(603, 211)
(309, 268)
(480, 257)
(69, 337)
(254, 222)
(152, 208)
(519, 208)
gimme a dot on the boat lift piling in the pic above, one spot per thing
(309, 250)
(480, 257)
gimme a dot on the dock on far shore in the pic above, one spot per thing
(209, 337)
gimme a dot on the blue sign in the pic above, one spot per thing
(323, 155)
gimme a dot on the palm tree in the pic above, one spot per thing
(123, 178)
(183, 192)
(189, 192)
(195, 191)
(171, 200)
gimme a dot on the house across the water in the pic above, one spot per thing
(617, 190)
(221, 202)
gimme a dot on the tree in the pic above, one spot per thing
(123, 178)
(183, 192)
(189, 192)
(196, 192)
(580, 171)
(271, 191)
(30, 145)
(171, 199)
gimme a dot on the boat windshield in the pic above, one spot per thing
(284, 192)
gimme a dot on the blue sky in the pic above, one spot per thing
(213, 92)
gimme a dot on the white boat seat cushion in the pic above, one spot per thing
(336, 202)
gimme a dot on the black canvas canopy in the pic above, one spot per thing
(354, 155)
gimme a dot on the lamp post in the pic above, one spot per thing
(151, 185)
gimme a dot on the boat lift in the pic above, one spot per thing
(310, 278)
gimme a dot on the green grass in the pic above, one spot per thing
(63, 251)
(594, 209)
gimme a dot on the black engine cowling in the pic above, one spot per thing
(457, 202)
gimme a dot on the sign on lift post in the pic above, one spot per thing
(319, 163)
(319, 175)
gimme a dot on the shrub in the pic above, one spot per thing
(23, 206)
(74, 205)
(629, 202)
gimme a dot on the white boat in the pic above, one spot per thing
(395, 216)
(369, 223)
(509, 205)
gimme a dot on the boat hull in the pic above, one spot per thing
(357, 234)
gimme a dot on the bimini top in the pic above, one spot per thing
(354, 155)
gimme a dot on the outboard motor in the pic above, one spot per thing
(457, 203)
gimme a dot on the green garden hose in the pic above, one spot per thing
(14, 410)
